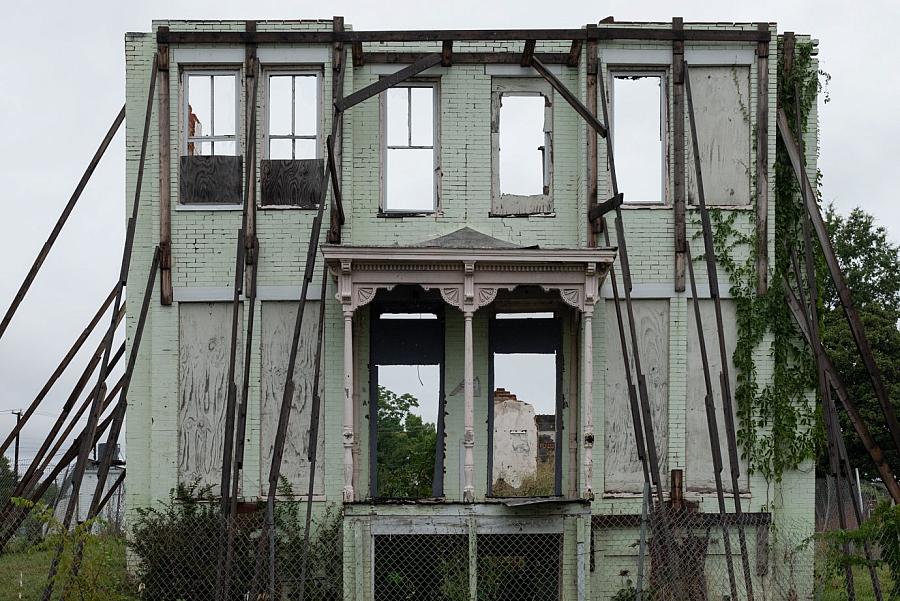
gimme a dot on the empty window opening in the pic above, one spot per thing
(638, 135)
(407, 401)
(211, 113)
(524, 145)
(511, 567)
(293, 116)
(409, 161)
(524, 414)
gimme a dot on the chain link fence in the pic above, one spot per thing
(173, 552)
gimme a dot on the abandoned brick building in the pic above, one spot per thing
(462, 246)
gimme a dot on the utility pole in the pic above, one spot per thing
(18, 414)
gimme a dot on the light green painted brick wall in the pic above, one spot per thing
(203, 246)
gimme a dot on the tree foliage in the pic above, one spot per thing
(871, 265)
(406, 448)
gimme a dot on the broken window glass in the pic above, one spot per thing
(409, 130)
(293, 115)
(638, 136)
(211, 113)
(523, 145)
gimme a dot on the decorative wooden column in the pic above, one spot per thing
(469, 394)
(591, 292)
(348, 405)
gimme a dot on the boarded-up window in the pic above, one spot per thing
(721, 97)
(623, 471)
(278, 320)
(639, 127)
(204, 347)
(699, 472)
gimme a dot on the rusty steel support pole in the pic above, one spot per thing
(54, 233)
(94, 414)
(856, 326)
(640, 405)
(67, 359)
(712, 424)
(315, 411)
(713, 279)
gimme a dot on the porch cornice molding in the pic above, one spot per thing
(468, 279)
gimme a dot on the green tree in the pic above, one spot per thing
(871, 265)
(406, 448)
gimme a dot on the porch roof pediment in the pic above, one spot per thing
(468, 268)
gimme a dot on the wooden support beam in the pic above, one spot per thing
(724, 382)
(359, 57)
(67, 359)
(678, 167)
(335, 153)
(592, 169)
(599, 210)
(465, 58)
(762, 164)
(834, 268)
(61, 221)
(164, 133)
(712, 423)
(112, 489)
(843, 395)
(456, 35)
(575, 53)
(447, 53)
(569, 97)
(428, 61)
(528, 53)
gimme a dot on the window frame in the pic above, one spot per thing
(293, 71)
(662, 72)
(187, 139)
(522, 87)
(383, 210)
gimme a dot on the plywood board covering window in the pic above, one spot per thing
(293, 115)
(699, 470)
(721, 96)
(410, 129)
(521, 146)
(203, 355)
(277, 331)
(210, 115)
(622, 468)
(639, 124)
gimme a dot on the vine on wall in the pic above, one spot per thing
(778, 427)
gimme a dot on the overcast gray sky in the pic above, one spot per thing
(63, 79)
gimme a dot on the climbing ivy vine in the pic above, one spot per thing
(778, 427)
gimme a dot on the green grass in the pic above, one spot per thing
(831, 587)
(23, 574)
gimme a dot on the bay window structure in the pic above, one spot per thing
(410, 167)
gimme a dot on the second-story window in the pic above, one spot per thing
(211, 114)
(293, 116)
(211, 166)
(521, 147)
(639, 126)
(410, 162)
